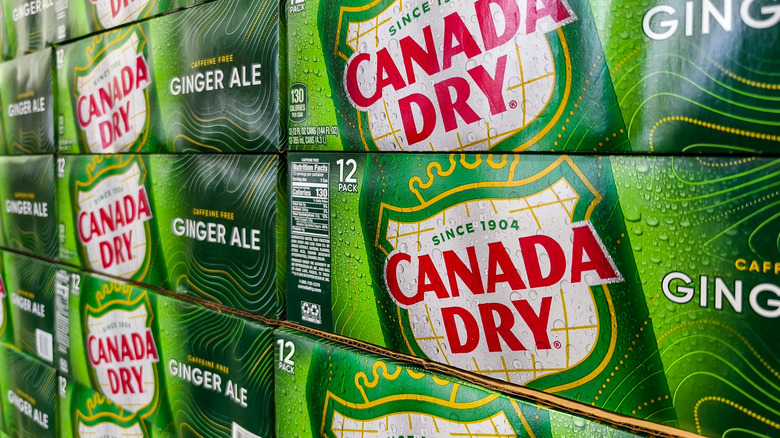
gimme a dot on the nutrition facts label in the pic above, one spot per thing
(310, 227)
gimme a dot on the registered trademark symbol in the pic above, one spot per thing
(512, 104)
(557, 344)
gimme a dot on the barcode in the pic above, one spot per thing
(240, 432)
(43, 342)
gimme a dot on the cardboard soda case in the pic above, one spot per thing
(113, 346)
(694, 76)
(32, 286)
(28, 217)
(507, 266)
(179, 366)
(326, 389)
(82, 412)
(586, 277)
(449, 75)
(201, 80)
(28, 104)
(203, 225)
(29, 398)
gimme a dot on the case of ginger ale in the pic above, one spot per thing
(642, 285)
(680, 76)
(28, 404)
(175, 365)
(28, 218)
(82, 412)
(28, 105)
(449, 75)
(326, 389)
(202, 225)
(76, 18)
(26, 27)
(704, 233)
(32, 286)
(200, 80)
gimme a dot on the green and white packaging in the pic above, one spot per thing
(644, 285)
(201, 80)
(113, 346)
(679, 76)
(218, 371)
(209, 226)
(28, 217)
(449, 76)
(177, 365)
(32, 286)
(326, 389)
(27, 26)
(29, 394)
(76, 18)
(28, 104)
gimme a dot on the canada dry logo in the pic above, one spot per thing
(112, 13)
(111, 102)
(430, 78)
(101, 418)
(501, 286)
(379, 403)
(123, 353)
(111, 219)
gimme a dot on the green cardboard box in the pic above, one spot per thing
(179, 366)
(32, 286)
(26, 27)
(200, 80)
(29, 399)
(28, 104)
(448, 76)
(202, 225)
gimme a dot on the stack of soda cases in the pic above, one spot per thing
(496, 218)
(142, 211)
(28, 224)
(572, 201)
